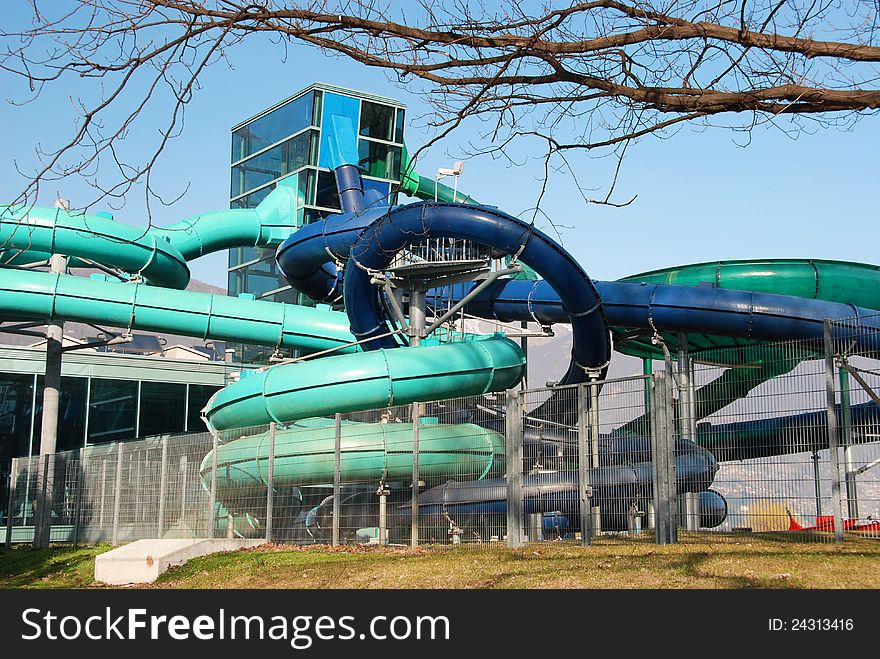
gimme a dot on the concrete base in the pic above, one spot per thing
(144, 560)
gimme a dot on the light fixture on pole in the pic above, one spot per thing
(455, 172)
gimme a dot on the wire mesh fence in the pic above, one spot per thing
(775, 438)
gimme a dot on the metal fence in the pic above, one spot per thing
(779, 438)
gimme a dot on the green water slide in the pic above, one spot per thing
(305, 456)
(32, 233)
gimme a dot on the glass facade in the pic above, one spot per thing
(292, 144)
(95, 410)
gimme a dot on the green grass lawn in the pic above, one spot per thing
(750, 561)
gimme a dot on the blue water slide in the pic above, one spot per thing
(669, 308)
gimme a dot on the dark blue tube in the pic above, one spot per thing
(668, 308)
(376, 246)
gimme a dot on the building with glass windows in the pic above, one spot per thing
(104, 397)
(290, 144)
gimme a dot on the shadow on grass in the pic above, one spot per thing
(55, 567)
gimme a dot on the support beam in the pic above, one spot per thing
(49, 428)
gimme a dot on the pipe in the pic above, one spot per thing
(45, 296)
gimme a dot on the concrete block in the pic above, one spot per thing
(144, 560)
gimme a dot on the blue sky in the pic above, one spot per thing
(701, 196)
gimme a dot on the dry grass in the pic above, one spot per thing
(746, 561)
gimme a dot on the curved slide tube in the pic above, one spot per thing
(348, 383)
(159, 255)
(304, 456)
(370, 239)
(667, 308)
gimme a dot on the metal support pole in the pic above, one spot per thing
(817, 483)
(414, 511)
(117, 495)
(184, 477)
(212, 499)
(849, 462)
(337, 480)
(103, 494)
(49, 428)
(417, 313)
(77, 506)
(270, 482)
(687, 423)
(594, 450)
(647, 369)
(663, 456)
(10, 504)
(514, 439)
(163, 484)
(524, 345)
(585, 490)
(833, 437)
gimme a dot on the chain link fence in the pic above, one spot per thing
(781, 438)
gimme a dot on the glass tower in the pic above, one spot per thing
(289, 144)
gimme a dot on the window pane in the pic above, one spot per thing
(327, 194)
(377, 121)
(382, 187)
(163, 405)
(16, 399)
(269, 165)
(379, 160)
(398, 131)
(112, 409)
(286, 120)
(198, 398)
(71, 413)
(253, 199)
(339, 111)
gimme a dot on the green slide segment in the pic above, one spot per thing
(347, 383)
(266, 225)
(304, 456)
(160, 256)
(98, 238)
(833, 281)
(36, 295)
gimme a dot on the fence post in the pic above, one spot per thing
(414, 511)
(585, 493)
(270, 482)
(663, 456)
(184, 477)
(337, 481)
(514, 437)
(594, 449)
(163, 485)
(849, 475)
(833, 437)
(117, 495)
(212, 500)
(10, 504)
(77, 507)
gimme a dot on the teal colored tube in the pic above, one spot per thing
(377, 379)
(29, 234)
(266, 225)
(305, 456)
(100, 239)
(44, 296)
